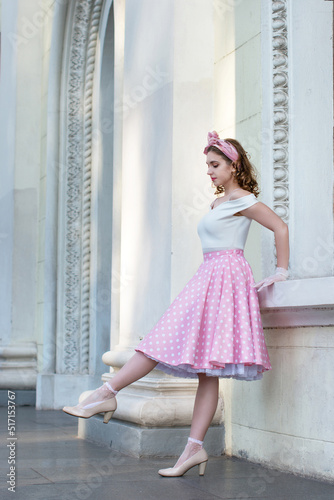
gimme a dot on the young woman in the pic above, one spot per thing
(213, 328)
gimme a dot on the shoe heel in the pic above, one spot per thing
(107, 416)
(201, 468)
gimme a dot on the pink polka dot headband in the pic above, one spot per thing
(224, 146)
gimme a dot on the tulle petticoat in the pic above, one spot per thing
(214, 325)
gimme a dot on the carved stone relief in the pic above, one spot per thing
(280, 108)
(77, 185)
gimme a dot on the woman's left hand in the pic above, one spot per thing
(280, 275)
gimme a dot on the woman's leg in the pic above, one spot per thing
(204, 409)
(137, 367)
(205, 406)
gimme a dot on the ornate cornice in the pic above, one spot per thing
(76, 258)
(280, 108)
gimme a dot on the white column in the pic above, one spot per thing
(7, 165)
(145, 103)
(20, 113)
(193, 115)
(167, 112)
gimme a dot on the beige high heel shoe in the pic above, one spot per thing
(107, 407)
(200, 458)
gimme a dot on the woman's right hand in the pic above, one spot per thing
(280, 275)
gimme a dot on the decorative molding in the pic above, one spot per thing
(77, 213)
(87, 167)
(18, 366)
(280, 109)
(295, 303)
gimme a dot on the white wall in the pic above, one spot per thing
(285, 420)
(311, 124)
(237, 92)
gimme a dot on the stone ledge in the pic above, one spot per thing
(308, 302)
(139, 441)
(165, 402)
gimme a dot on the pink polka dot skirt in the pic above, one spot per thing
(214, 325)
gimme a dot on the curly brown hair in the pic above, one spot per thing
(245, 172)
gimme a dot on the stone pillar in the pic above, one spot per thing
(7, 166)
(167, 112)
(19, 126)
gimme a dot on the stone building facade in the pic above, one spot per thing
(104, 111)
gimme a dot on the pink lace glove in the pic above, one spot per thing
(280, 275)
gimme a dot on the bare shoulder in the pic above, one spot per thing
(239, 193)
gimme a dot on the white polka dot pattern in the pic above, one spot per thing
(214, 325)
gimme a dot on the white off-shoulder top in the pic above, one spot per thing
(221, 229)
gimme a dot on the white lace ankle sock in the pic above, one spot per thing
(192, 447)
(192, 440)
(110, 388)
(98, 396)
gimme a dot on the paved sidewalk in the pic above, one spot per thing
(53, 464)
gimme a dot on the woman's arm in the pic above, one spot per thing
(267, 218)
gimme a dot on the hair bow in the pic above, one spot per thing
(224, 146)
